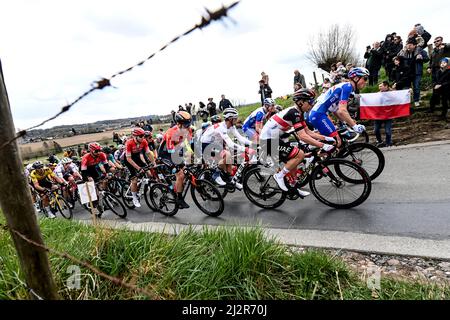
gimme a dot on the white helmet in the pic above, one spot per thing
(230, 113)
(269, 101)
(66, 160)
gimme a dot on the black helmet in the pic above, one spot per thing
(106, 150)
(38, 165)
(215, 118)
(303, 94)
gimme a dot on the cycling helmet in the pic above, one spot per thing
(138, 132)
(66, 160)
(358, 72)
(120, 146)
(205, 125)
(278, 108)
(147, 133)
(38, 165)
(303, 94)
(107, 150)
(183, 117)
(230, 113)
(269, 101)
(94, 146)
(215, 118)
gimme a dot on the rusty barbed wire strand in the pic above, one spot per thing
(85, 264)
(104, 82)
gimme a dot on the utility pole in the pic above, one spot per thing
(16, 204)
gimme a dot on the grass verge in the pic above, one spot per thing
(224, 263)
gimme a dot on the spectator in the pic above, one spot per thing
(225, 103)
(383, 87)
(386, 48)
(116, 138)
(297, 86)
(333, 73)
(414, 35)
(264, 90)
(426, 36)
(395, 47)
(414, 57)
(374, 58)
(299, 78)
(172, 122)
(79, 150)
(202, 111)
(211, 106)
(188, 108)
(326, 85)
(441, 50)
(147, 127)
(441, 89)
(265, 77)
(400, 74)
(180, 108)
(194, 112)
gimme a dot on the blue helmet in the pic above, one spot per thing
(358, 72)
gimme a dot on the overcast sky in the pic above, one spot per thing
(52, 50)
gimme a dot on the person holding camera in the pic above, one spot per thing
(374, 58)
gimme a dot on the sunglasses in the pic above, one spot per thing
(311, 101)
(96, 151)
(436, 41)
(141, 136)
(366, 78)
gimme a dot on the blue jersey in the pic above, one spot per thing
(329, 101)
(254, 117)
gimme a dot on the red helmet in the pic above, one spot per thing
(94, 146)
(138, 132)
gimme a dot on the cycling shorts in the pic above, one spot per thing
(321, 122)
(283, 153)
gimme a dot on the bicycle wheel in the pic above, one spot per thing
(163, 199)
(207, 174)
(367, 156)
(63, 207)
(330, 188)
(261, 189)
(147, 198)
(127, 196)
(207, 198)
(113, 203)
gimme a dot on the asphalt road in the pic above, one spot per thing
(410, 198)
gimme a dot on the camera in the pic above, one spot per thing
(368, 47)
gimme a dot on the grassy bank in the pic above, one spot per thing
(228, 263)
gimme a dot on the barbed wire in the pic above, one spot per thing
(85, 264)
(106, 82)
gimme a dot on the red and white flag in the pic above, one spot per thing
(385, 105)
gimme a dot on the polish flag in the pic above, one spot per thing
(385, 105)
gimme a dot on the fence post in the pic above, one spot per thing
(16, 204)
(315, 81)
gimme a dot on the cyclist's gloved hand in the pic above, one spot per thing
(359, 128)
(327, 147)
(330, 139)
(250, 151)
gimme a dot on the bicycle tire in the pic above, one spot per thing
(109, 199)
(126, 195)
(259, 198)
(320, 173)
(207, 190)
(349, 153)
(161, 202)
(206, 174)
(147, 198)
(60, 200)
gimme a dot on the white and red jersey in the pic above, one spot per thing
(60, 172)
(283, 121)
(219, 132)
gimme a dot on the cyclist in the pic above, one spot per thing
(335, 100)
(273, 132)
(67, 171)
(254, 123)
(151, 145)
(92, 161)
(119, 154)
(43, 180)
(134, 160)
(171, 148)
(218, 135)
(112, 165)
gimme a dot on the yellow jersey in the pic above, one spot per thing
(36, 177)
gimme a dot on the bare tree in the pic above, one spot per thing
(334, 45)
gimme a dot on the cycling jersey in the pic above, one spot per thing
(88, 160)
(119, 155)
(132, 148)
(220, 133)
(60, 172)
(257, 116)
(173, 138)
(37, 177)
(329, 102)
(281, 122)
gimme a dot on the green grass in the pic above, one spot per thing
(227, 263)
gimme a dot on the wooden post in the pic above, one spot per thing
(315, 81)
(17, 206)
